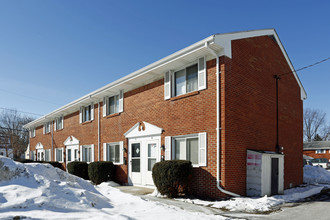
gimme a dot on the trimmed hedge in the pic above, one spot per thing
(101, 171)
(78, 168)
(172, 177)
(53, 163)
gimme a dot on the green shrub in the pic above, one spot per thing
(53, 163)
(172, 177)
(78, 168)
(101, 171)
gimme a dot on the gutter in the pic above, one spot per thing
(98, 131)
(218, 125)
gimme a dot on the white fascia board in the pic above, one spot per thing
(224, 40)
(97, 95)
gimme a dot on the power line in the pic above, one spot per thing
(30, 113)
(305, 67)
(29, 97)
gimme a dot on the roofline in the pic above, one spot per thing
(125, 78)
(164, 61)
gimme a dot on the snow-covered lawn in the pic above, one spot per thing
(43, 192)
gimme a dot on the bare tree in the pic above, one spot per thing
(12, 132)
(314, 122)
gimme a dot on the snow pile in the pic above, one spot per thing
(263, 204)
(35, 186)
(40, 191)
(316, 175)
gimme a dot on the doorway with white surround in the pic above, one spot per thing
(144, 142)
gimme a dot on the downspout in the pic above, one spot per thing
(218, 125)
(53, 159)
(98, 131)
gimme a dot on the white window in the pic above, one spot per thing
(47, 128)
(87, 153)
(113, 104)
(188, 79)
(47, 155)
(319, 151)
(32, 132)
(32, 156)
(113, 152)
(86, 113)
(58, 123)
(187, 147)
(59, 154)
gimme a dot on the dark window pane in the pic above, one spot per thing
(135, 165)
(136, 150)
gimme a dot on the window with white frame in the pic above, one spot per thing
(87, 153)
(187, 147)
(185, 80)
(320, 151)
(46, 127)
(32, 132)
(113, 152)
(113, 104)
(58, 123)
(86, 113)
(59, 154)
(47, 155)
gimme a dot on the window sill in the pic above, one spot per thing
(59, 129)
(184, 95)
(86, 122)
(112, 115)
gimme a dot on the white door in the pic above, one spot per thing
(152, 158)
(135, 162)
(143, 154)
(72, 153)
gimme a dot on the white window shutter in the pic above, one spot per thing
(92, 111)
(62, 154)
(62, 120)
(121, 153)
(104, 151)
(168, 147)
(44, 129)
(80, 114)
(105, 106)
(55, 124)
(201, 73)
(92, 153)
(167, 85)
(80, 153)
(202, 139)
(55, 158)
(121, 101)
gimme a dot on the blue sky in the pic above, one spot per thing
(53, 52)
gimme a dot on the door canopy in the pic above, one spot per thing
(71, 141)
(143, 128)
(39, 146)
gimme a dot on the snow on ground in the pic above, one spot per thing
(316, 175)
(40, 191)
(312, 175)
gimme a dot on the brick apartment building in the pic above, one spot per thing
(213, 103)
(317, 149)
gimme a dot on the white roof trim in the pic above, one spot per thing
(71, 140)
(143, 129)
(224, 40)
(222, 43)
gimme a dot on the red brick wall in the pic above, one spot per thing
(249, 110)
(247, 117)
(86, 133)
(312, 153)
